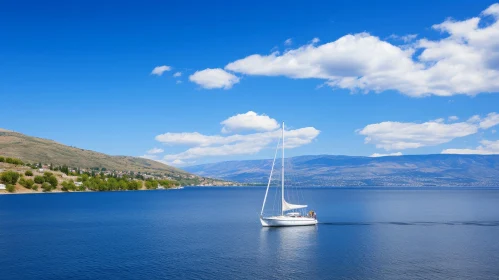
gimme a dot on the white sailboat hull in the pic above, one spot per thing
(286, 221)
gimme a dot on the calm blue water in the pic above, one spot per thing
(214, 233)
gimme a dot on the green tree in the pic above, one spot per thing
(9, 177)
(64, 169)
(151, 184)
(68, 186)
(46, 187)
(29, 183)
(35, 188)
(83, 178)
(22, 182)
(26, 183)
(10, 188)
(2, 159)
(39, 179)
(52, 180)
(28, 173)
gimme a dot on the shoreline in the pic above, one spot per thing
(401, 188)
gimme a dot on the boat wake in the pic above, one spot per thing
(454, 223)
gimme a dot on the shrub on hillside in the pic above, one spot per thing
(26, 183)
(2, 159)
(47, 187)
(9, 177)
(68, 186)
(11, 188)
(28, 173)
(52, 180)
(39, 180)
(15, 161)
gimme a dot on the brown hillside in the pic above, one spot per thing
(34, 150)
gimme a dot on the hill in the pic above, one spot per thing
(35, 150)
(329, 170)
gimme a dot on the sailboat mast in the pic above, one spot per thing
(270, 177)
(282, 172)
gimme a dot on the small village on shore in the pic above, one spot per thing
(17, 176)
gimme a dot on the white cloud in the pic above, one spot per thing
(464, 61)
(399, 135)
(493, 131)
(249, 121)
(288, 42)
(474, 119)
(178, 82)
(178, 162)
(315, 40)
(177, 74)
(491, 120)
(406, 38)
(147, 156)
(236, 144)
(214, 78)
(155, 151)
(486, 148)
(159, 70)
(453, 118)
(386, 155)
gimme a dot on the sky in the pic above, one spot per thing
(192, 82)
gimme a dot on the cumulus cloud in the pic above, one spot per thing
(288, 42)
(403, 135)
(486, 148)
(386, 155)
(268, 132)
(249, 121)
(453, 118)
(177, 74)
(159, 70)
(464, 61)
(214, 78)
(236, 144)
(155, 151)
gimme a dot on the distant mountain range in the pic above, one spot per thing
(329, 170)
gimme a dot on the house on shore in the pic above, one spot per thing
(2, 187)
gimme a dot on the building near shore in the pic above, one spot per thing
(2, 187)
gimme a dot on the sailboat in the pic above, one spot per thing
(286, 218)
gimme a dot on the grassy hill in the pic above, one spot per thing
(34, 150)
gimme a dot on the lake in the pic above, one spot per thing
(214, 233)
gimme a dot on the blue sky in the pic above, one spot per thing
(81, 73)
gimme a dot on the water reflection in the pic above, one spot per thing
(291, 248)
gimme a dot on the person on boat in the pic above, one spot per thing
(312, 214)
